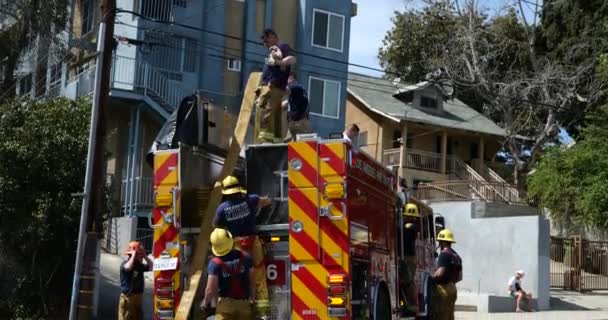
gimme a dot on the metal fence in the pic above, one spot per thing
(578, 264)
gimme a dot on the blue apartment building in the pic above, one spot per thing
(212, 51)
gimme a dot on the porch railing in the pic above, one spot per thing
(416, 159)
(487, 184)
(467, 190)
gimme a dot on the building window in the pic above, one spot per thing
(88, 16)
(328, 30)
(55, 75)
(189, 55)
(234, 65)
(160, 10)
(25, 84)
(324, 97)
(362, 139)
(180, 3)
(427, 102)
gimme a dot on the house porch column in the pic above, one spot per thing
(480, 155)
(444, 151)
(403, 151)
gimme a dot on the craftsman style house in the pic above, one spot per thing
(441, 146)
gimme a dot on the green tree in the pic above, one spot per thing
(414, 46)
(573, 182)
(43, 149)
(500, 66)
(28, 24)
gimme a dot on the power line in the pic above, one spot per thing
(251, 41)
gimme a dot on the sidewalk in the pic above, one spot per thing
(110, 288)
(565, 305)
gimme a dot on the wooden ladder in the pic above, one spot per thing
(202, 245)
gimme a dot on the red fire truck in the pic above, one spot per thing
(331, 236)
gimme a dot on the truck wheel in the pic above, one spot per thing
(383, 304)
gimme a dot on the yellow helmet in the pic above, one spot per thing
(446, 235)
(221, 242)
(411, 210)
(231, 186)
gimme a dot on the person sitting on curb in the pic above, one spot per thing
(516, 291)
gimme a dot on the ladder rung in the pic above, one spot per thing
(80, 306)
(86, 291)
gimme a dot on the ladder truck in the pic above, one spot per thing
(331, 238)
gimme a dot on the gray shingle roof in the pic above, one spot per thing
(377, 94)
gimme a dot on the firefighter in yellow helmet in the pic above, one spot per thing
(411, 216)
(448, 273)
(237, 213)
(230, 279)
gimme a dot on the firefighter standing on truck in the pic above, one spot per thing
(274, 82)
(238, 215)
(230, 279)
(448, 273)
(410, 234)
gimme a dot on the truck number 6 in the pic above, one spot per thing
(271, 272)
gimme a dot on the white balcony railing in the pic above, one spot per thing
(137, 194)
(82, 85)
(139, 76)
(129, 74)
(415, 159)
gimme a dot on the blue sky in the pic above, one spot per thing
(373, 21)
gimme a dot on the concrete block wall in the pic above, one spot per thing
(494, 247)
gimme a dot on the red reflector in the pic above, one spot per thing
(337, 290)
(164, 281)
(164, 293)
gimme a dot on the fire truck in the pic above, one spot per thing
(332, 238)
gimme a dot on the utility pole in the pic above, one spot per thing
(84, 288)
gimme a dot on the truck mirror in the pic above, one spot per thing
(439, 224)
(435, 254)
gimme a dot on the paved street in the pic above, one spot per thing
(110, 288)
(565, 305)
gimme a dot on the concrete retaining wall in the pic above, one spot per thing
(494, 247)
(119, 232)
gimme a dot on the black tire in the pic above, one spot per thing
(383, 304)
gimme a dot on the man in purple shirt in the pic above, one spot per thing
(272, 89)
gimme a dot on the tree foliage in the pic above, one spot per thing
(573, 183)
(29, 24)
(501, 66)
(43, 147)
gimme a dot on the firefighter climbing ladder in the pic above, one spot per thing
(202, 246)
